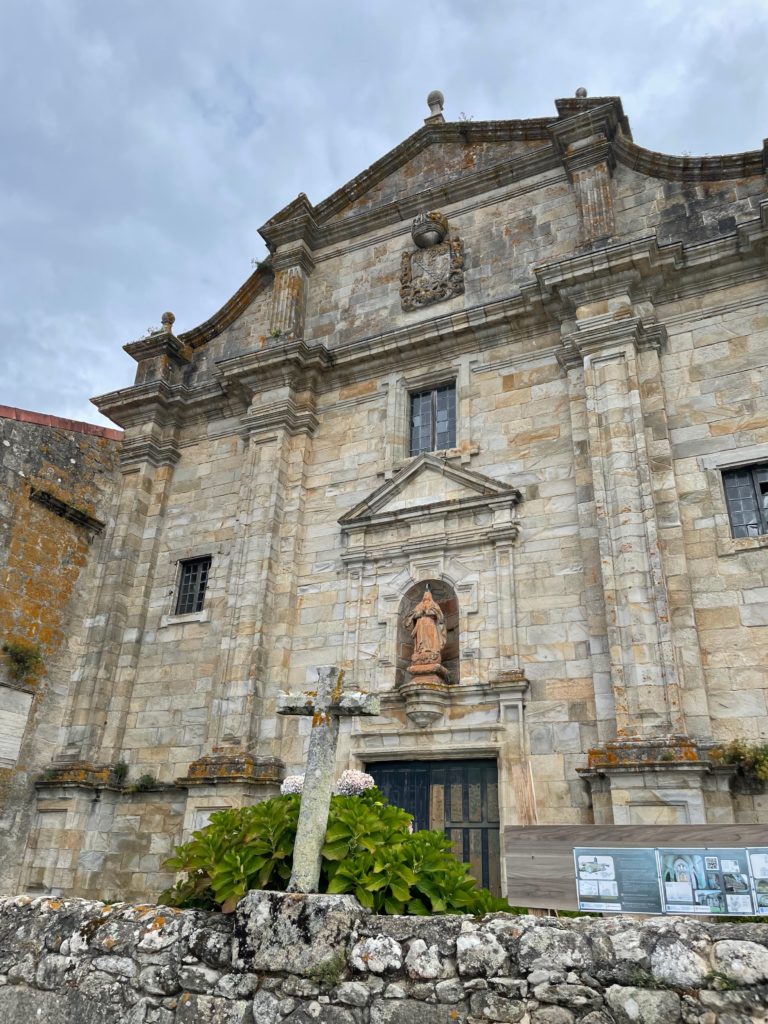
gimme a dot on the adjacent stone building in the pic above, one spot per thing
(522, 362)
(58, 480)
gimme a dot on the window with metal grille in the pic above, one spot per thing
(746, 494)
(192, 584)
(433, 419)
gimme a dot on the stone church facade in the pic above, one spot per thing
(520, 362)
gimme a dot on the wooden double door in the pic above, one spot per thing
(460, 798)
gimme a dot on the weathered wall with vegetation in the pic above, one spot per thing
(300, 959)
(58, 479)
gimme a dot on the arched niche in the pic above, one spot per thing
(445, 596)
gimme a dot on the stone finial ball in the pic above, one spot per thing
(435, 101)
(167, 320)
(429, 229)
(581, 93)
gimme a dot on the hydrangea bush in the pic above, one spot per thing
(370, 852)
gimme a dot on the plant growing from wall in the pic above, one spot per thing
(23, 656)
(369, 852)
(144, 782)
(751, 759)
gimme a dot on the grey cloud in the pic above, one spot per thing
(144, 143)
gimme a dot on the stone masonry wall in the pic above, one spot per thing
(298, 959)
(608, 356)
(58, 479)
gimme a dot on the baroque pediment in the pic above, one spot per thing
(429, 486)
(422, 172)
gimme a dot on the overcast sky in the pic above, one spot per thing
(143, 142)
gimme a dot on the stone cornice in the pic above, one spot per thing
(581, 140)
(285, 224)
(159, 401)
(574, 106)
(641, 268)
(595, 275)
(690, 168)
(296, 222)
(157, 452)
(453, 190)
(372, 551)
(259, 281)
(508, 687)
(609, 335)
(289, 416)
(293, 363)
(160, 343)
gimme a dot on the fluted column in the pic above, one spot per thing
(584, 140)
(292, 265)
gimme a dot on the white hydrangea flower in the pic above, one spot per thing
(353, 783)
(292, 784)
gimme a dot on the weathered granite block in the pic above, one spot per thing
(305, 935)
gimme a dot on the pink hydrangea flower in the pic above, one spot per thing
(292, 784)
(353, 783)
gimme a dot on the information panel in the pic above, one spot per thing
(684, 880)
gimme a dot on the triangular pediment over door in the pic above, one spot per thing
(431, 487)
(438, 522)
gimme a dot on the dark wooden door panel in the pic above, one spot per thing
(460, 798)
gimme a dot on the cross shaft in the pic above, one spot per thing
(325, 706)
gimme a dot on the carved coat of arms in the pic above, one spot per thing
(435, 270)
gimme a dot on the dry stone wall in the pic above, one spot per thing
(297, 959)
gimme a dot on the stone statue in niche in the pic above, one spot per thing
(435, 271)
(426, 624)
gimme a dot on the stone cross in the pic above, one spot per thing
(326, 705)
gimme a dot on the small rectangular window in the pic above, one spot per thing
(192, 584)
(746, 494)
(433, 419)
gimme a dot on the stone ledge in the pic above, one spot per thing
(233, 766)
(640, 752)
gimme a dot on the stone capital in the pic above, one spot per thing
(584, 137)
(293, 255)
(296, 222)
(608, 334)
(152, 450)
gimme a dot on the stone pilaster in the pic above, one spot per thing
(643, 672)
(229, 774)
(616, 356)
(590, 555)
(259, 510)
(585, 143)
(104, 677)
(242, 730)
(292, 265)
